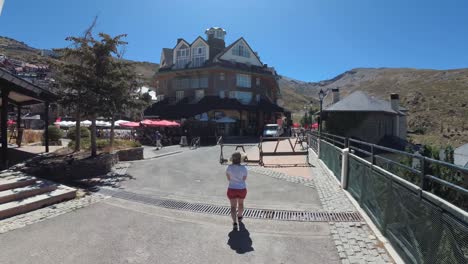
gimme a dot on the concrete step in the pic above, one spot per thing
(16, 182)
(13, 208)
(39, 187)
(9, 174)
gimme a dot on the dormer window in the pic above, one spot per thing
(198, 56)
(241, 50)
(182, 57)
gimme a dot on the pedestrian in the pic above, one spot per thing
(237, 189)
(158, 140)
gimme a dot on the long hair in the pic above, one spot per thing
(236, 158)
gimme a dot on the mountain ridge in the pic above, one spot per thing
(436, 99)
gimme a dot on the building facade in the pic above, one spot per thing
(207, 80)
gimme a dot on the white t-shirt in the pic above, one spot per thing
(236, 174)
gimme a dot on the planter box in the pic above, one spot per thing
(130, 154)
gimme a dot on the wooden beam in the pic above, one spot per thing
(46, 128)
(4, 127)
(19, 134)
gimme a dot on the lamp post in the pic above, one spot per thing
(321, 96)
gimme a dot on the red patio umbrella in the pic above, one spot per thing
(296, 125)
(159, 123)
(10, 122)
(130, 124)
(315, 126)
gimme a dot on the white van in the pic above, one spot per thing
(272, 130)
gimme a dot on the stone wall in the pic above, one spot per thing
(63, 169)
(130, 154)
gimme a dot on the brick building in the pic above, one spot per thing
(207, 80)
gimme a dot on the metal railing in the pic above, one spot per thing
(422, 214)
(419, 172)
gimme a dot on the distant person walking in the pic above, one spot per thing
(158, 137)
(237, 189)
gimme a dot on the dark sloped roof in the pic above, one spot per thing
(361, 102)
(168, 53)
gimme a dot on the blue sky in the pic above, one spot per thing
(306, 40)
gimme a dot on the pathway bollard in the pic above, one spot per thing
(344, 169)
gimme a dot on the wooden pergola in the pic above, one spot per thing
(19, 92)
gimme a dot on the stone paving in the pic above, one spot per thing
(355, 242)
(309, 182)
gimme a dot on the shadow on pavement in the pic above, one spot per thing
(240, 241)
(94, 184)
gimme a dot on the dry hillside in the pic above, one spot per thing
(437, 100)
(19, 50)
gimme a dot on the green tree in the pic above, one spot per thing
(97, 82)
(73, 77)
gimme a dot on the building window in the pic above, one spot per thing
(221, 76)
(182, 57)
(201, 82)
(258, 81)
(199, 94)
(204, 82)
(241, 50)
(198, 56)
(222, 94)
(179, 95)
(257, 97)
(243, 97)
(182, 83)
(243, 80)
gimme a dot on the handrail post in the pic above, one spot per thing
(344, 168)
(423, 173)
(318, 145)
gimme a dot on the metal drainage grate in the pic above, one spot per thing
(225, 210)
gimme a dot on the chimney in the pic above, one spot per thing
(395, 101)
(335, 95)
(179, 40)
(215, 39)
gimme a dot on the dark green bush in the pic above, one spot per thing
(55, 134)
(84, 133)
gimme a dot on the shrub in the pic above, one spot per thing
(55, 134)
(84, 133)
(103, 144)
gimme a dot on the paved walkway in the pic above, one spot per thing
(118, 231)
(150, 152)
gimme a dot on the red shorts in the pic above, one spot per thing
(236, 193)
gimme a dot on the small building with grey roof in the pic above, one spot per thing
(367, 118)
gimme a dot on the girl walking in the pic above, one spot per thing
(237, 189)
